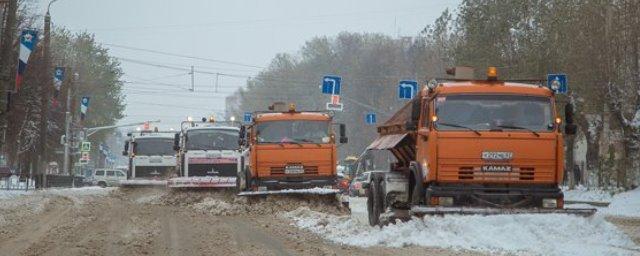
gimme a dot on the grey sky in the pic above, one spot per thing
(250, 32)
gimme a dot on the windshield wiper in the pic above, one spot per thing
(292, 142)
(308, 141)
(518, 128)
(461, 126)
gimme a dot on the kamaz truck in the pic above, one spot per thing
(468, 146)
(207, 155)
(151, 158)
(289, 151)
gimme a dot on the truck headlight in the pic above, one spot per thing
(549, 203)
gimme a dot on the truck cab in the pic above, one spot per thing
(207, 154)
(151, 155)
(474, 143)
(289, 149)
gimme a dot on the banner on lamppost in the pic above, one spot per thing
(84, 105)
(28, 41)
(58, 77)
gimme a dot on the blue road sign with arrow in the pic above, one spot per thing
(331, 85)
(370, 118)
(407, 89)
(247, 117)
(558, 83)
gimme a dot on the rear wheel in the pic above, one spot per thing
(102, 184)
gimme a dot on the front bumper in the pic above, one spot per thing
(494, 195)
(275, 183)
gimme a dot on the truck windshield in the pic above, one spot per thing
(212, 139)
(293, 132)
(154, 147)
(494, 112)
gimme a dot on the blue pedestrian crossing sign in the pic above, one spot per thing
(370, 118)
(407, 89)
(557, 83)
(331, 85)
(247, 117)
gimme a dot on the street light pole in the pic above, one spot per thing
(45, 89)
(67, 124)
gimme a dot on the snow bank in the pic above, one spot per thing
(581, 193)
(553, 234)
(625, 204)
(143, 182)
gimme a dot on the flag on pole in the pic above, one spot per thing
(84, 105)
(28, 40)
(58, 77)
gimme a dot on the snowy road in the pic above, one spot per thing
(155, 222)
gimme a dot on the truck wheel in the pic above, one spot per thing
(417, 196)
(374, 203)
(102, 184)
(241, 182)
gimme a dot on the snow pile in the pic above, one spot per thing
(78, 195)
(581, 193)
(154, 198)
(218, 207)
(10, 194)
(553, 234)
(625, 204)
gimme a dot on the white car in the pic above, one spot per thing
(108, 177)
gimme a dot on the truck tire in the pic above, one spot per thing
(374, 202)
(241, 181)
(102, 184)
(418, 193)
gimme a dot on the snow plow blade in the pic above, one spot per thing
(202, 182)
(143, 183)
(307, 191)
(423, 210)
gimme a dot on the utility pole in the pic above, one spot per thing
(192, 79)
(45, 89)
(67, 128)
(6, 58)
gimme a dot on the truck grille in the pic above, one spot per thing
(310, 170)
(228, 170)
(153, 171)
(516, 174)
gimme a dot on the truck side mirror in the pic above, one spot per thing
(412, 124)
(569, 128)
(125, 152)
(242, 135)
(343, 133)
(176, 142)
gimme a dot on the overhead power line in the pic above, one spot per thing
(182, 56)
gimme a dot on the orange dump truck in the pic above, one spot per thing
(472, 147)
(285, 150)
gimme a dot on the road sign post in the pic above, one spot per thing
(331, 85)
(407, 89)
(558, 83)
(247, 117)
(370, 118)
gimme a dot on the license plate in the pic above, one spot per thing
(294, 169)
(496, 168)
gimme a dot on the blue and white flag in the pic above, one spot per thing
(28, 40)
(58, 77)
(84, 105)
